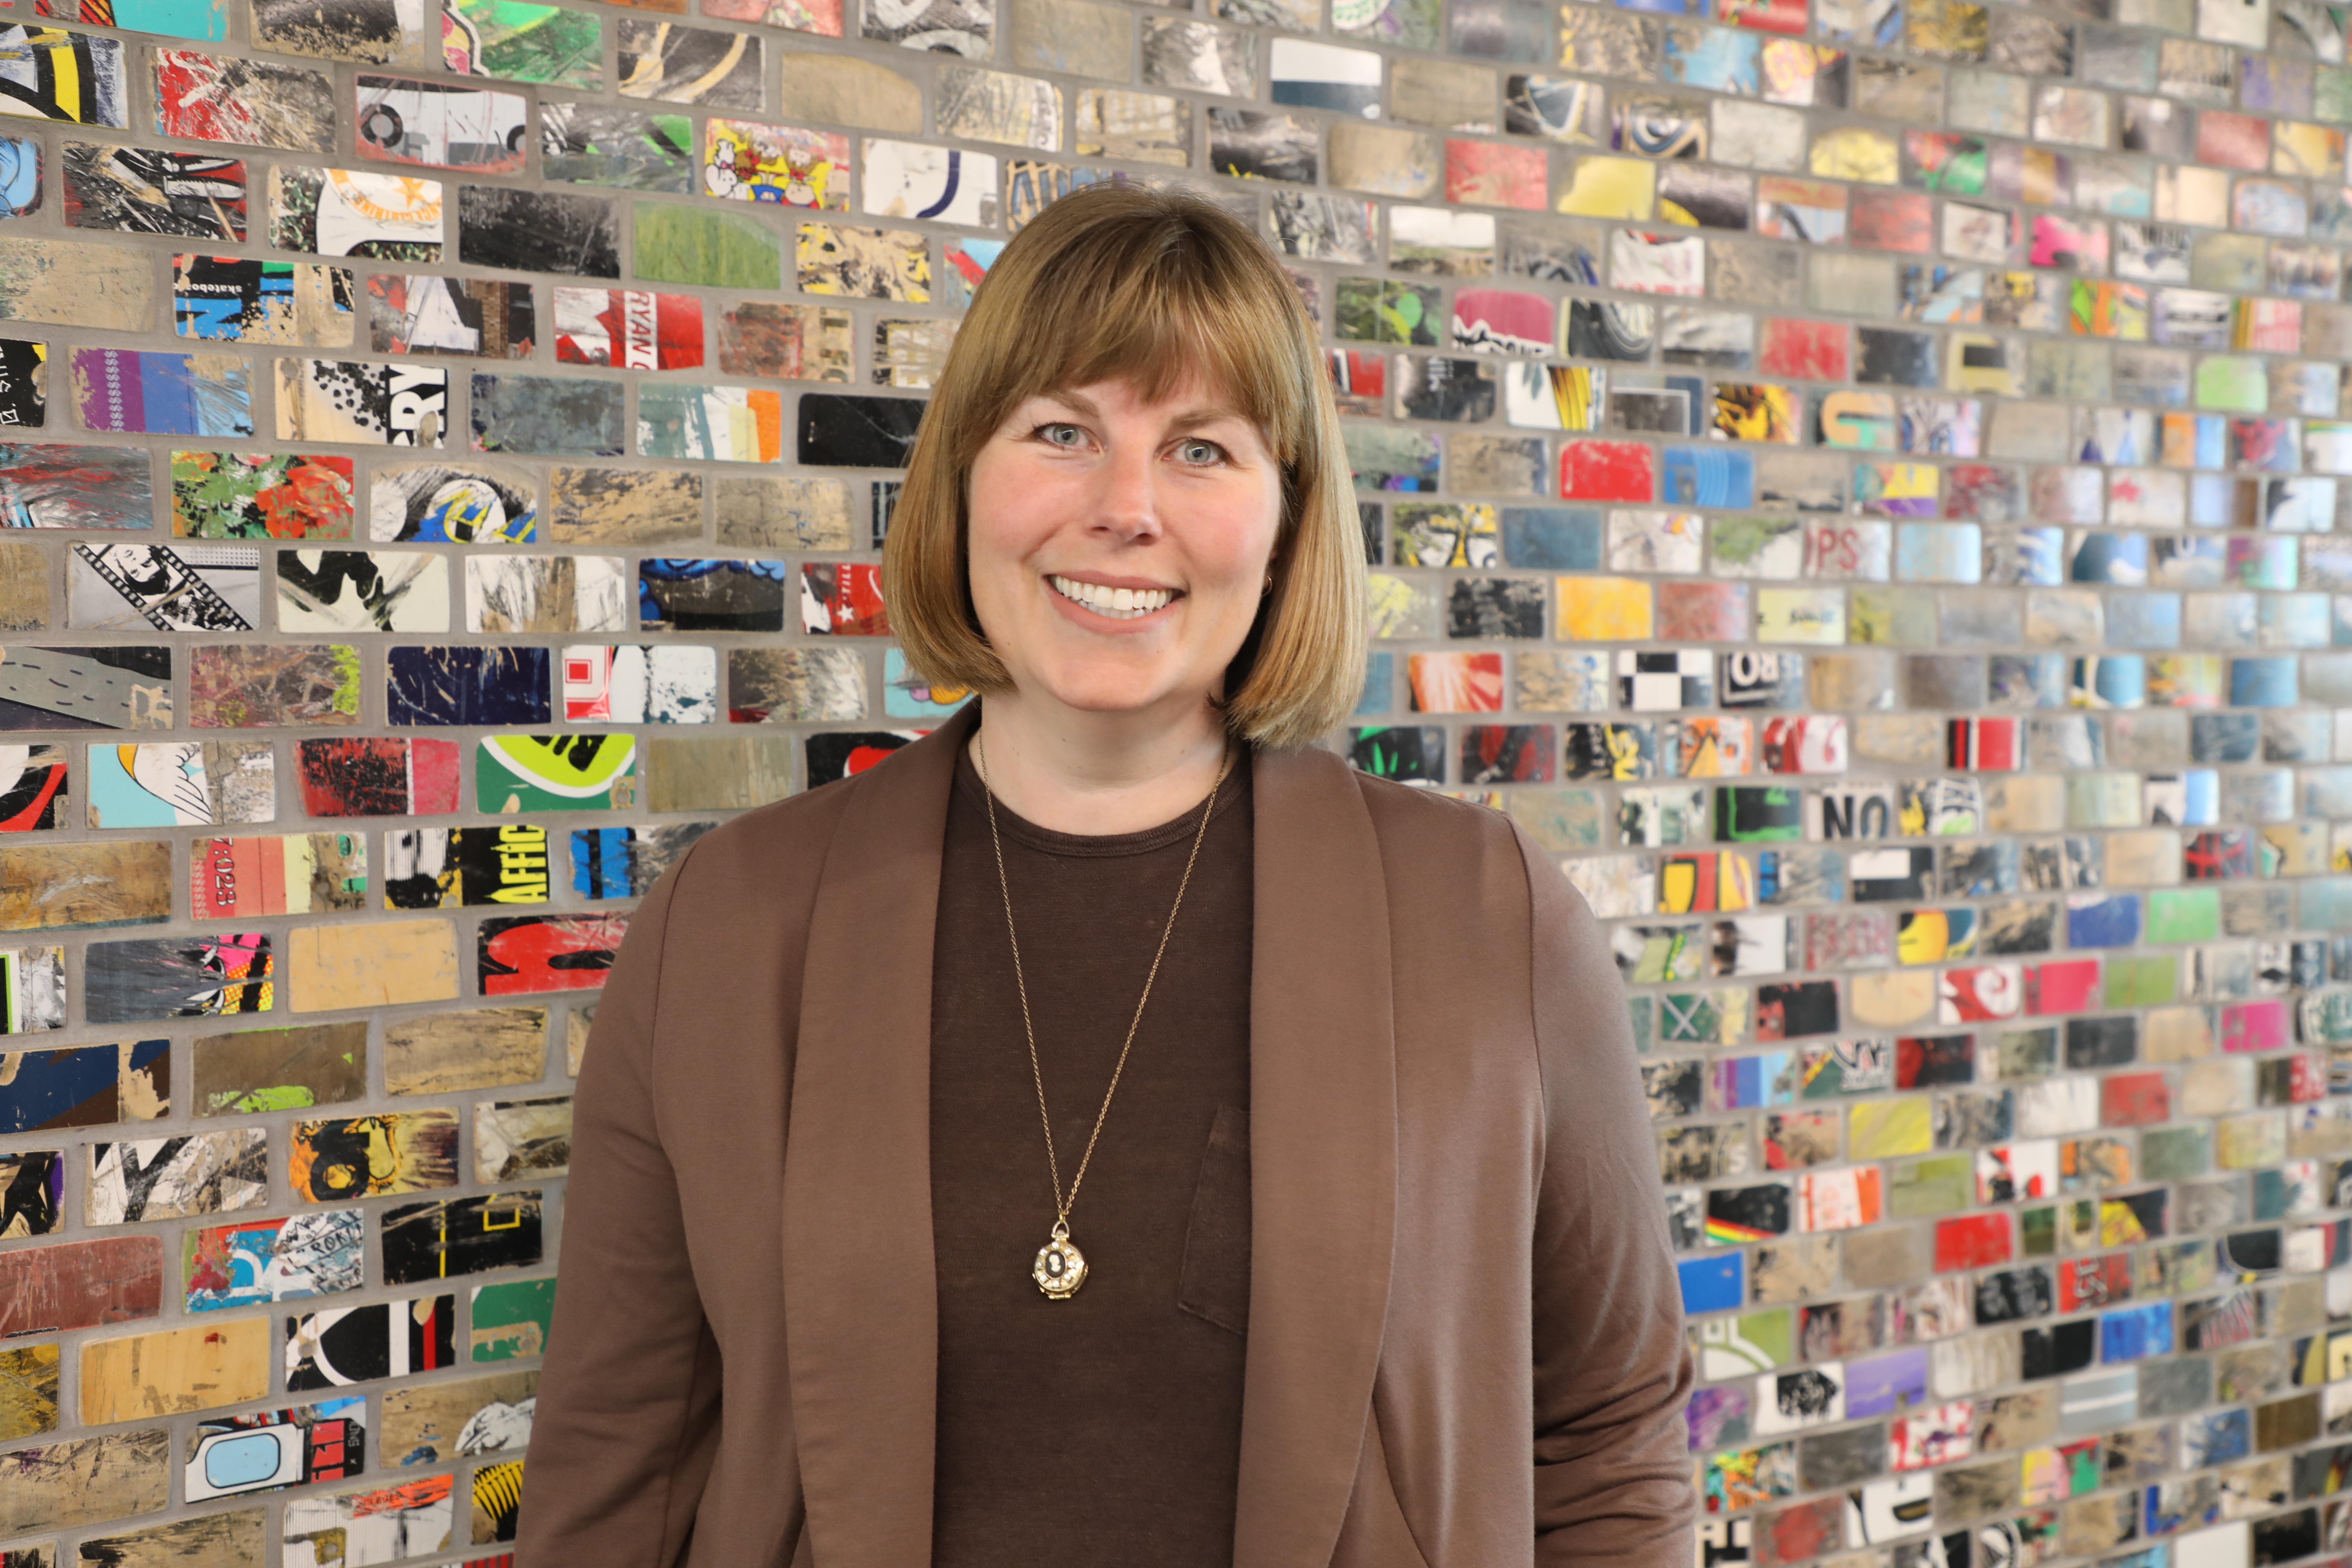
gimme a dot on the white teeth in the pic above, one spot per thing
(1119, 603)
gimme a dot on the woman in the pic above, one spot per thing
(1111, 1131)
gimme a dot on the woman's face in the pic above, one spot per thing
(1117, 548)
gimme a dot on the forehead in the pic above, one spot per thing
(1189, 395)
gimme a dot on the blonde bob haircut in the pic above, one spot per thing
(1118, 282)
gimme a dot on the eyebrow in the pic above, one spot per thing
(1078, 401)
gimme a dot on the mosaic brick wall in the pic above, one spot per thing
(1858, 483)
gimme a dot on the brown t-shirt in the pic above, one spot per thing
(1104, 1428)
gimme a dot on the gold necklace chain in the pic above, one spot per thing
(1060, 1268)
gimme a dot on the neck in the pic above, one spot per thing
(1076, 772)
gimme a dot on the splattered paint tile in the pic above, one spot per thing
(377, 777)
(147, 190)
(79, 487)
(250, 103)
(242, 685)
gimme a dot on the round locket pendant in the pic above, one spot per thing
(1061, 1268)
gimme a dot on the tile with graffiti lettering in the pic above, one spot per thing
(437, 868)
(260, 301)
(418, 313)
(370, 404)
(308, 873)
(254, 1262)
(634, 329)
(842, 599)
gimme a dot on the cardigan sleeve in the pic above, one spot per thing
(628, 1423)
(1612, 1481)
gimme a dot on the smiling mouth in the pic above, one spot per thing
(1119, 603)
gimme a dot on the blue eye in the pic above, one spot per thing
(1201, 451)
(1052, 433)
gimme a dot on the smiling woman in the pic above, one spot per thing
(1343, 1256)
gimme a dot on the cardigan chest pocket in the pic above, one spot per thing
(1215, 1283)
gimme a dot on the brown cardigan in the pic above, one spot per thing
(1465, 1344)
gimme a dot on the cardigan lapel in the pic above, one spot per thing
(1322, 1157)
(861, 1298)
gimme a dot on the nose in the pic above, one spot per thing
(1127, 506)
